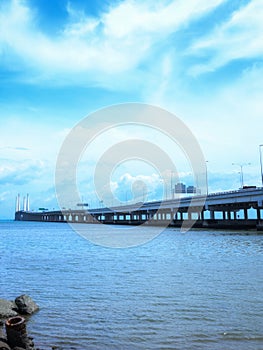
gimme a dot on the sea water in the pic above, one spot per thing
(199, 289)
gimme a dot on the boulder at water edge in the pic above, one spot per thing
(7, 309)
(4, 346)
(25, 305)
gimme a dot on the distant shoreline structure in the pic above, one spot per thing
(196, 211)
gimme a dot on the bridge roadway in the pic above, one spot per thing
(217, 210)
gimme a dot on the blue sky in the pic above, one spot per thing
(61, 60)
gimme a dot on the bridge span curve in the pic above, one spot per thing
(217, 210)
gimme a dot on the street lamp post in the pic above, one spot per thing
(165, 190)
(206, 177)
(172, 191)
(241, 178)
(241, 172)
(261, 168)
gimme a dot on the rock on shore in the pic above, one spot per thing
(26, 305)
(7, 309)
(22, 305)
(12, 310)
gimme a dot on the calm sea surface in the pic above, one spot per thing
(195, 290)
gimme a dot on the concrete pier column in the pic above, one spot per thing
(108, 217)
(224, 215)
(245, 214)
(235, 215)
(258, 214)
(212, 215)
(202, 215)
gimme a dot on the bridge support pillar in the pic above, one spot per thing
(258, 214)
(245, 214)
(212, 215)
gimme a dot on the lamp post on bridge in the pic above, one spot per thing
(206, 177)
(241, 172)
(165, 189)
(171, 184)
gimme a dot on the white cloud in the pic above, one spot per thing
(238, 38)
(3, 196)
(226, 118)
(116, 42)
(23, 138)
(136, 188)
(128, 47)
(18, 173)
(131, 17)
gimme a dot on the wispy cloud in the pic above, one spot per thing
(153, 51)
(119, 40)
(237, 38)
(19, 173)
(15, 148)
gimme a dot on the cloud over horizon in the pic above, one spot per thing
(114, 42)
(202, 61)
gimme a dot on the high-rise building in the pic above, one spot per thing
(180, 188)
(191, 189)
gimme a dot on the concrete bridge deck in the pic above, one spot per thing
(218, 210)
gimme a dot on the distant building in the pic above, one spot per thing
(193, 189)
(180, 188)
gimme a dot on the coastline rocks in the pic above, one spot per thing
(23, 305)
(26, 305)
(16, 337)
(7, 309)
(4, 346)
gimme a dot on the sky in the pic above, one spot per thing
(62, 60)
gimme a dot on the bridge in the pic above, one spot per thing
(229, 210)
